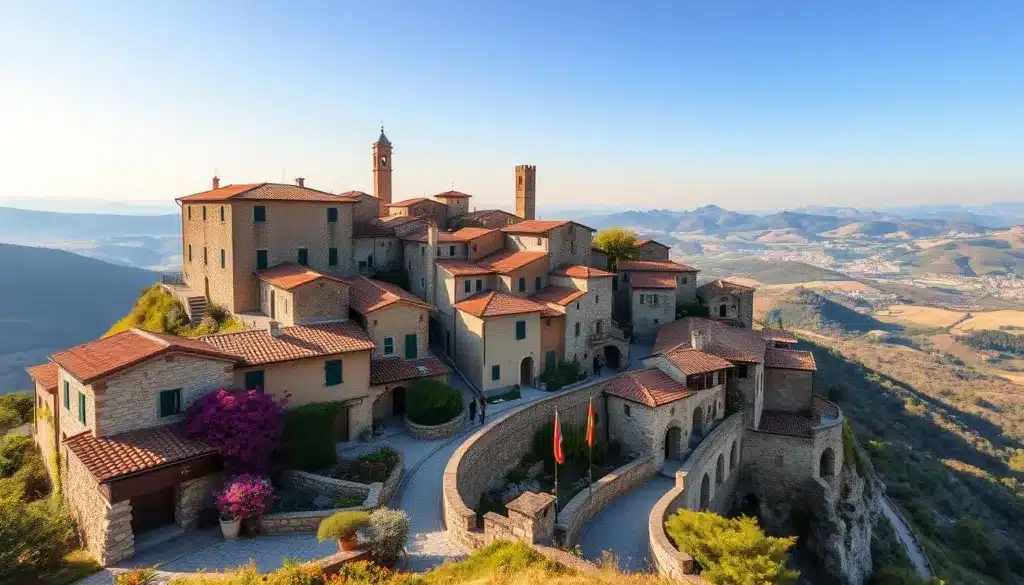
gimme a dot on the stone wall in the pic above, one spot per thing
(319, 301)
(441, 431)
(284, 522)
(104, 529)
(191, 497)
(587, 503)
(787, 390)
(779, 465)
(497, 448)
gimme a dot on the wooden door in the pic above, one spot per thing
(153, 510)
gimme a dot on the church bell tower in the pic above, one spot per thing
(526, 191)
(382, 172)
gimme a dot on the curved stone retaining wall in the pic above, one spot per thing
(586, 504)
(490, 453)
(687, 492)
(441, 431)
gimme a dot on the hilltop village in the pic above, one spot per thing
(351, 297)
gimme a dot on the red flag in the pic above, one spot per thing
(590, 424)
(559, 456)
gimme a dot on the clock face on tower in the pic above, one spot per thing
(383, 162)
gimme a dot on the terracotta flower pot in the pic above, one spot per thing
(347, 543)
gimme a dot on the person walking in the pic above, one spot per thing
(472, 412)
(483, 410)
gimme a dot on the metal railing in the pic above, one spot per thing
(172, 278)
(608, 332)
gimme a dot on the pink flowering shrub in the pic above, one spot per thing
(244, 496)
(243, 425)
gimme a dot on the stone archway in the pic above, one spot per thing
(827, 463)
(672, 440)
(720, 470)
(705, 492)
(697, 426)
(612, 357)
(526, 371)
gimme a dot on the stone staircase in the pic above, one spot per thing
(194, 303)
(196, 308)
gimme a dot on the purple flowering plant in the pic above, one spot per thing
(244, 426)
(244, 496)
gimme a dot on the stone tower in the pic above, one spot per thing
(382, 172)
(526, 191)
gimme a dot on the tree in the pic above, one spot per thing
(731, 551)
(15, 410)
(245, 426)
(618, 243)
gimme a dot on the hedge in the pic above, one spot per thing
(310, 433)
(430, 402)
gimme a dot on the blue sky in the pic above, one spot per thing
(744, 104)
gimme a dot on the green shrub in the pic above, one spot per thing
(369, 468)
(731, 551)
(310, 434)
(513, 394)
(430, 402)
(14, 449)
(388, 530)
(348, 502)
(574, 444)
(34, 537)
(342, 525)
(565, 373)
(136, 577)
(15, 410)
(29, 481)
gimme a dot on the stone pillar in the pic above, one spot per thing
(534, 514)
(189, 499)
(118, 538)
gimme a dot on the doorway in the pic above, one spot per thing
(697, 427)
(721, 311)
(152, 510)
(526, 372)
(272, 316)
(672, 443)
(398, 401)
(612, 357)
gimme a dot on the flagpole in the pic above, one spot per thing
(590, 451)
(557, 431)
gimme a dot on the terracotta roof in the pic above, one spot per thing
(552, 310)
(650, 387)
(366, 295)
(413, 201)
(393, 369)
(732, 343)
(784, 423)
(45, 375)
(465, 234)
(789, 359)
(558, 295)
(453, 195)
(580, 271)
(653, 280)
(692, 362)
(539, 226)
(105, 356)
(393, 220)
(111, 457)
(359, 194)
(644, 241)
(372, 230)
(509, 261)
(778, 335)
(463, 268)
(267, 192)
(288, 275)
(654, 266)
(485, 212)
(493, 304)
(724, 286)
(301, 341)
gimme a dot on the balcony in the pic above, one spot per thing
(608, 333)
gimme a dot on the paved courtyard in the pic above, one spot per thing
(622, 526)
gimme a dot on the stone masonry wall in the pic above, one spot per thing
(586, 504)
(105, 530)
(322, 300)
(647, 317)
(569, 244)
(211, 235)
(778, 465)
(191, 497)
(788, 390)
(441, 431)
(286, 522)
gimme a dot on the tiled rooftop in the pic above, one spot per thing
(580, 271)
(463, 235)
(720, 285)
(778, 335)
(785, 423)
(298, 342)
(650, 387)
(453, 194)
(653, 266)
(540, 226)
(366, 295)
(558, 295)
(463, 268)
(656, 280)
(111, 457)
(288, 275)
(692, 362)
(267, 192)
(96, 359)
(493, 304)
(394, 369)
(789, 359)
(508, 261)
(731, 343)
(45, 375)
(413, 201)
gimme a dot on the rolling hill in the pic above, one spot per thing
(54, 299)
(805, 309)
(996, 254)
(765, 272)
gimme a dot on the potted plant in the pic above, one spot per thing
(244, 496)
(343, 527)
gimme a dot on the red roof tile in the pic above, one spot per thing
(463, 268)
(778, 335)
(720, 285)
(650, 387)
(493, 304)
(299, 342)
(45, 375)
(388, 370)
(659, 280)
(267, 192)
(372, 230)
(558, 295)
(692, 362)
(653, 266)
(580, 271)
(732, 343)
(789, 359)
(288, 275)
(100, 358)
(366, 295)
(509, 261)
(414, 201)
(463, 235)
(784, 423)
(453, 195)
(539, 226)
(111, 457)
(485, 213)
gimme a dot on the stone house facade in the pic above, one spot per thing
(728, 300)
(649, 292)
(497, 340)
(647, 249)
(296, 295)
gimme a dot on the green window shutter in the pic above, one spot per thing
(254, 380)
(537, 283)
(303, 257)
(577, 330)
(469, 286)
(332, 372)
(332, 256)
(495, 372)
(522, 284)
(389, 345)
(479, 285)
(170, 402)
(332, 215)
(549, 358)
(261, 259)
(259, 214)
(81, 408)
(222, 261)
(520, 330)
(67, 396)
(410, 346)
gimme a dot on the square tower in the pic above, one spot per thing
(526, 191)
(382, 172)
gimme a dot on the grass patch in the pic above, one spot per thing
(77, 565)
(158, 311)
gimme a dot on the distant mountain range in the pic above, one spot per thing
(25, 226)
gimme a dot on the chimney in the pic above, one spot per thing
(301, 181)
(696, 340)
(274, 328)
(216, 183)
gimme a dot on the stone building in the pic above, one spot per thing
(497, 340)
(46, 420)
(649, 292)
(648, 249)
(728, 300)
(297, 295)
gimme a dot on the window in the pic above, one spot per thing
(332, 256)
(469, 286)
(439, 250)
(520, 330)
(190, 252)
(423, 283)
(67, 395)
(495, 372)
(188, 210)
(522, 284)
(389, 346)
(741, 371)
(362, 264)
(222, 260)
(625, 277)
(204, 256)
(410, 346)
(81, 407)
(451, 250)
(537, 282)
(577, 305)
(539, 241)
(261, 259)
(222, 213)
(204, 213)
(259, 214)
(423, 251)
(303, 258)
(642, 298)
(597, 299)
(625, 410)
(369, 261)
(577, 330)
(549, 361)
(332, 372)
(254, 380)
(479, 285)
(332, 215)
(682, 280)
(170, 402)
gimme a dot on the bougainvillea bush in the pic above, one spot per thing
(243, 425)
(244, 496)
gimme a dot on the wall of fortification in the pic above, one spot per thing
(776, 466)
(586, 504)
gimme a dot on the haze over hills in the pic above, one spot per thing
(996, 254)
